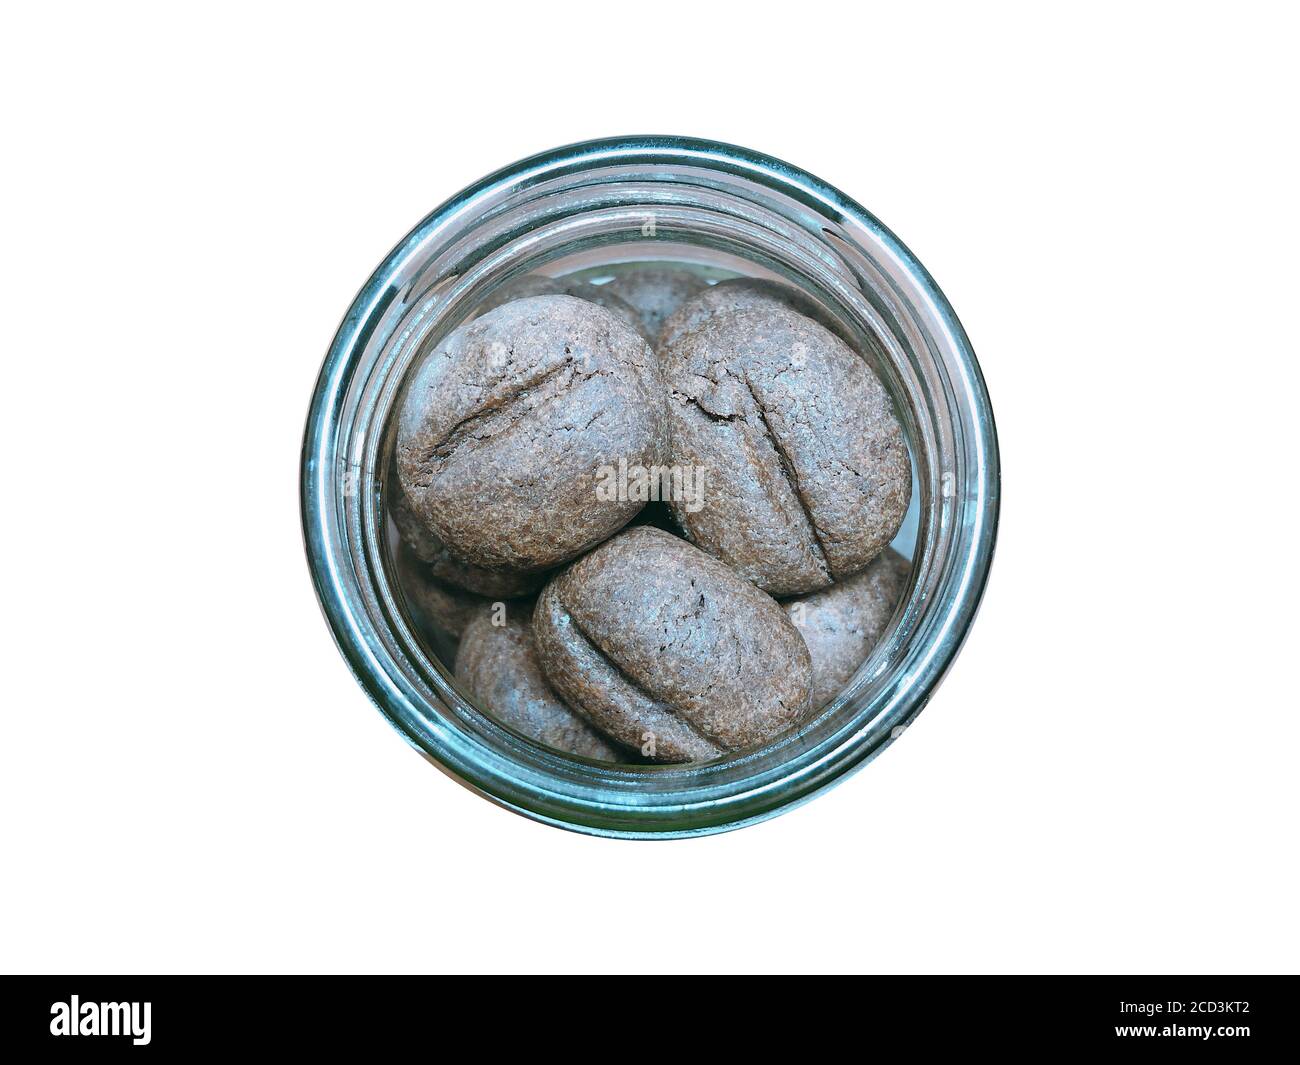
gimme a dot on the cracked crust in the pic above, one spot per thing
(498, 664)
(808, 471)
(647, 634)
(654, 292)
(507, 423)
(842, 623)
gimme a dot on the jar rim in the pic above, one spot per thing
(605, 802)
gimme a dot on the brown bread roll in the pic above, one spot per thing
(666, 650)
(509, 423)
(498, 664)
(842, 623)
(807, 470)
(654, 291)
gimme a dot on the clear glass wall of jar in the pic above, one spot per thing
(616, 201)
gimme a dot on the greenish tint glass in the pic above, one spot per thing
(581, 208)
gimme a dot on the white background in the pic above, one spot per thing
(191, 779)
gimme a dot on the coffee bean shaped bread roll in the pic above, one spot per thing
(654, 291)
(509, 423)
(666, 650)
(440, 606)
(807, 475)
(498, 664)
(842, 623)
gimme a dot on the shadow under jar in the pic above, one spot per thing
(590, 212)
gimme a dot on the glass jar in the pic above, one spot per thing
(615, 201)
